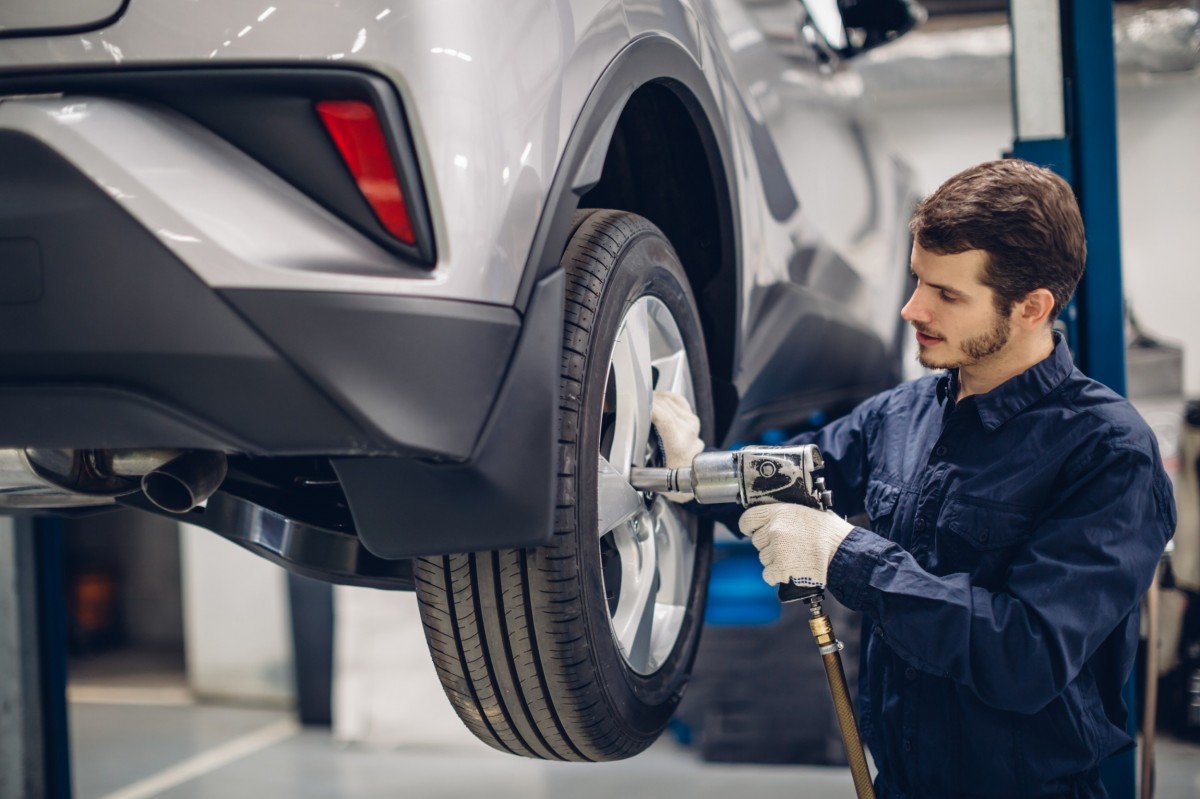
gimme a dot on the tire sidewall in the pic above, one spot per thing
(645, 266)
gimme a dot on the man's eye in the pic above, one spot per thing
(947, 297)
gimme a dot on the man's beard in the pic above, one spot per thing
(974, 349)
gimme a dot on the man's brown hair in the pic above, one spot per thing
(1023, 216)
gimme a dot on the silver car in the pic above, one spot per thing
(381, 290)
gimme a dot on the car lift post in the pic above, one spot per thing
(1065, 115)
(34, 741)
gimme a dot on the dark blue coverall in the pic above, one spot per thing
(1014, 535)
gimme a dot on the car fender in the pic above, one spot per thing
(650, 57)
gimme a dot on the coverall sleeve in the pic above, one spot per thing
(844, 445)
(1081, 572)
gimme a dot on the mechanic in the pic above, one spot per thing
(1018, 511)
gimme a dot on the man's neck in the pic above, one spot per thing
(1017, 357)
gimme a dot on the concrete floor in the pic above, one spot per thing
(181, 751)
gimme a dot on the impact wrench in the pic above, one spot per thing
(760, 476)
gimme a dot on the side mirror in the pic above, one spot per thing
(850, 27)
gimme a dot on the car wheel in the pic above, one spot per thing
(580, 649)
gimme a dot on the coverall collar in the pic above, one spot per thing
(1017, 393)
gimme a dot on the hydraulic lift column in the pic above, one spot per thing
(34, 747)
(1065, 118)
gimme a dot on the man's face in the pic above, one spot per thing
(953, 313)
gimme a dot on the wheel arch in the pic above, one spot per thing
(650, 140)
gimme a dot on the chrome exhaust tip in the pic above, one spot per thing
(186, 481)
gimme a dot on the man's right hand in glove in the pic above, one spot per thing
(679, 428)
(794, 542)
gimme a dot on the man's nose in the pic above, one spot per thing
(914, 311)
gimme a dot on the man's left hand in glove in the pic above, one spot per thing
(679, 430)
(794, 541)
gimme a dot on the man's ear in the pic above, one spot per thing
(1034, 311)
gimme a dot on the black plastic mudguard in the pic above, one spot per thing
(504, 495)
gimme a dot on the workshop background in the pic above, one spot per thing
(193, 663)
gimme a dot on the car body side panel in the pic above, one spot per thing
(823, 282)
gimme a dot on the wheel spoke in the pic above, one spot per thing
(640, 650)
(669, 354)
(618, 501)
(676, 553)
(633, 622)
(631, 366)
(668, 620)
(673, 374)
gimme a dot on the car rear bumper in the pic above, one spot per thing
(170, 292)
(107, 340)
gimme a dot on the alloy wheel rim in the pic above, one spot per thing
(648, 548)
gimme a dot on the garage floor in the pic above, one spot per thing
(179, 751)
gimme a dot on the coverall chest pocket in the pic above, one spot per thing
(880, 504)
(980, 538)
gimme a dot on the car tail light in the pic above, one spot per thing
(355, 129)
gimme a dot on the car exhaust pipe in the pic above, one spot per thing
(174, 480)
(49, 479)
(186, 481)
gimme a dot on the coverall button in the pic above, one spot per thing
(941, 451)
(920, 525)
(910, 673)
(983, 537)
(907, 745)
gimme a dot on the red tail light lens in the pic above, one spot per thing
(355, 129)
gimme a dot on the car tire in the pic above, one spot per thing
(580, 650)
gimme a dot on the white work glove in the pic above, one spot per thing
(794, 541)
(679, 428)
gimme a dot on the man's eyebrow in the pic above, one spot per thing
(947, 289)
